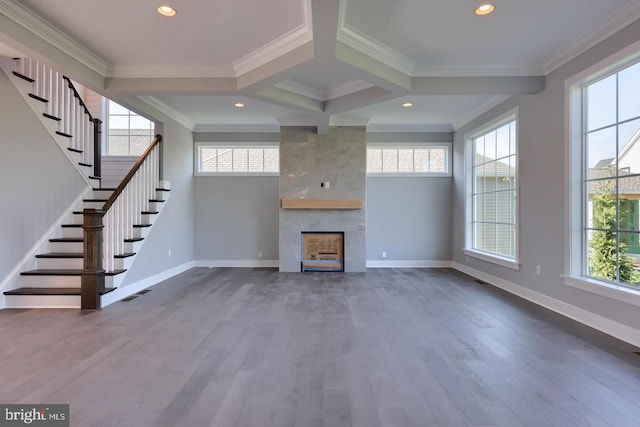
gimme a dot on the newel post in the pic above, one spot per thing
(97, 148)
(92, 283)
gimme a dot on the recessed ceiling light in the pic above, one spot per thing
(407, 104)
(238, 105)
(485, 9)
(166, 10)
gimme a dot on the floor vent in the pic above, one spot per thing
(480, 281)
(144, 291)
(129, 298)
(637, 353)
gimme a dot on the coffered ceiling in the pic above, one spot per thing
(312, 62)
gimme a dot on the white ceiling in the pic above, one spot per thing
(316, 62)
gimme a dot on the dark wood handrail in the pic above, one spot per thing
(131, 173)
(77, 95)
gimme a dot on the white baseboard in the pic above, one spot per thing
(127, 290)
(237, 263)
(603, 324)
(407, 264)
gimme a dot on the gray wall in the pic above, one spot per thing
(542, 188)
(409, 218)
(39, 183)
(235, 217)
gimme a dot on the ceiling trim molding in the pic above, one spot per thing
(51, 35)
(346, 120)
(371, 47)
(287, 42)
(480, 110)
(301, 89)
(426, 70)
(212, 127)
(176, 115)
(411, 127)
(347, 88)
(623, 17)
(174, 70)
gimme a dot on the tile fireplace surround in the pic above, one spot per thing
(308, 159)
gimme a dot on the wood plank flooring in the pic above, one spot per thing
(254, 347)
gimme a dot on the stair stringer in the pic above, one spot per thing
(24, 88)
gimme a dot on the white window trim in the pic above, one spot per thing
(448, 146)
(574, 274)
(196, 157)
(468, 250)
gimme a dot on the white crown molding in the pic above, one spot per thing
(300, 89)
(212, 127)
(289, 41)
(347, 88)
(426, 70)
(51, 35)
(371, 47)
(170, 70)
(480, 110)
(410, 127)
(623, 17)
(169, 111)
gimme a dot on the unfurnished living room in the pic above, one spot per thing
(320, 213)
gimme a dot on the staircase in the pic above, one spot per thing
(128, 212)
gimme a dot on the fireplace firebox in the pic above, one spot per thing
(322, 251)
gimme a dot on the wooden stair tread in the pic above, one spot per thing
(23, 77)
(134, 239)
(125, 255)
(51, 291)
(67, 239)
(64, 272)
(141, 225)
(64, 134)
(85, 164)
(75, 150)
(49, 116)
(157, 201)
(149, 212)
(94, 200)
(71, 225)
(61, 255)
(38, 98)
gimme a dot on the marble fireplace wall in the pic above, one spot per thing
(306, 160)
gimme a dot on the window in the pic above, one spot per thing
(237, 160)
(129, 134)
(492, 216)
(604, 151)
(408, 159)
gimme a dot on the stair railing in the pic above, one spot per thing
(133, 196)
(64, 104)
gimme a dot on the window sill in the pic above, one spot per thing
(408, 175)
(605, 289)
(494, 259)
(237, 174)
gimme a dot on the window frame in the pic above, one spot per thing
(469, 155)
(448, 146)
(107, 128)
(231, 145)
(575, 215)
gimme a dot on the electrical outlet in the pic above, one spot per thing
(538, 270)
(169, 252)
(384, 254)
(259, 254)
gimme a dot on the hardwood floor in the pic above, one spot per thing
(254, 347)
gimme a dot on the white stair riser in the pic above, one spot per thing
(58, 281)
(77, 263)
(43, 301)
(133, 246)
(141, 232)
(59, 263)
(101, 194)
(92, 205)
(75, 232)
(73, 247)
